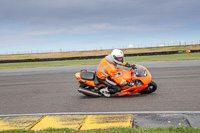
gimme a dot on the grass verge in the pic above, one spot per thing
(183, 56)
(115, 130)
(97, 52)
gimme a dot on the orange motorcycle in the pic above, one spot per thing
(90, 86)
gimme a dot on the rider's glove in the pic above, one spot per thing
(131, 84)
(134, 66)
(129, 65)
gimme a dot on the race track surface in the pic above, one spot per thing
(54, 89)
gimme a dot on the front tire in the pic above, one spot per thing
(150, 89)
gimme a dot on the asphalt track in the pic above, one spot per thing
(54, 90)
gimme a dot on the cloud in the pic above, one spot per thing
(115, 12)
(130, 46)
(34, 19)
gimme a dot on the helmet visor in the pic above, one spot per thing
(120, 59)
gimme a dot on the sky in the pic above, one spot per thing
(31, 26)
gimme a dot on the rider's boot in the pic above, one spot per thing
(105, 92)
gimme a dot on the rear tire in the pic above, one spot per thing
(150, 89)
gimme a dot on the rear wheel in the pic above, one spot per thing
(150, 89)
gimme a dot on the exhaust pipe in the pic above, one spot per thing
(87, 92)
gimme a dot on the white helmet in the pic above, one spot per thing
(117, 56)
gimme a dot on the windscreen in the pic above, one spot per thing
(140, 72)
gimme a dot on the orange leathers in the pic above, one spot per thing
(107, 68)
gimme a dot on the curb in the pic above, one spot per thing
(99, 121)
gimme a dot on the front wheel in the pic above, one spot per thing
(150, 89)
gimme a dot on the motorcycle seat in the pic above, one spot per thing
(96, 81)
(87, 75)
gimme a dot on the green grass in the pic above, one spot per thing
(115, 130)
(183, 56)
(97, 52)
(172, 57)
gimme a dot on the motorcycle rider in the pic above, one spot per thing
(107, 74)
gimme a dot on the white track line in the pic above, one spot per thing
(97, 113)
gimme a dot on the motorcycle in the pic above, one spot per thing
(143, 84)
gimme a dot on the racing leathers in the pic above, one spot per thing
(106, 73)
